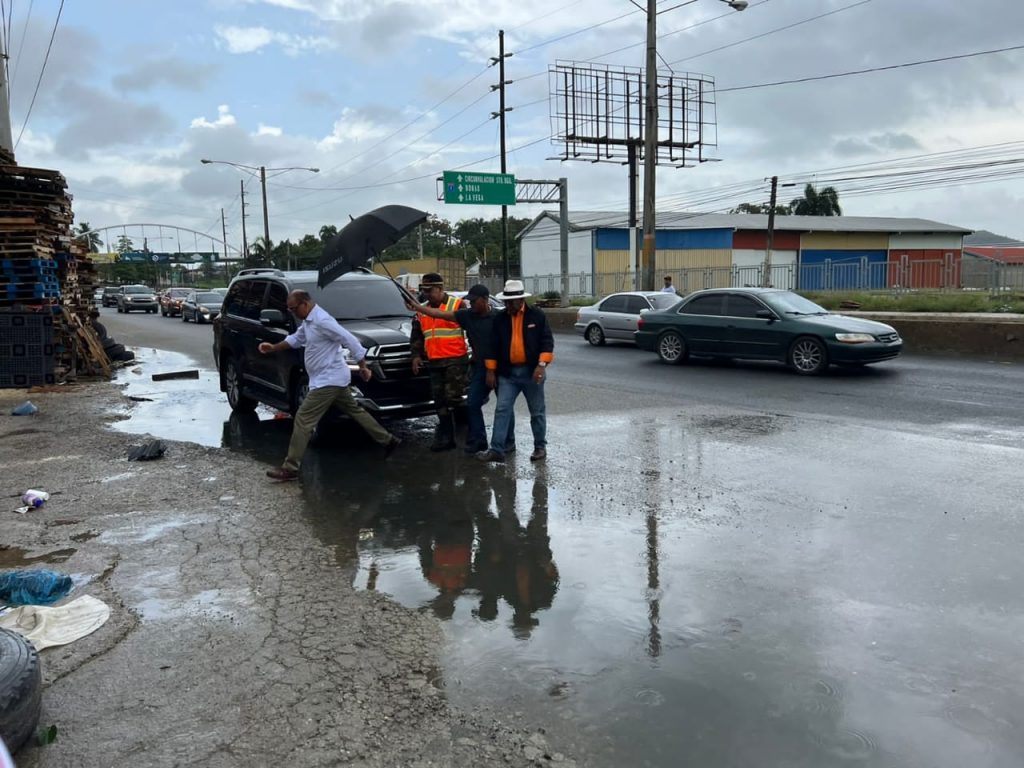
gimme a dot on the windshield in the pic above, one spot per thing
(664, 300)
(137, 289)
(178, 292)
(358, 299)
(209, 298)
(792, 304)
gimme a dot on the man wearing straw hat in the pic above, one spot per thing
(522, 347)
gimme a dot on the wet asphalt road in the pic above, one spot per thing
(719, 565)
(973, 399)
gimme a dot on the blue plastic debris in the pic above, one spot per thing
(33, 587)
(25, 409)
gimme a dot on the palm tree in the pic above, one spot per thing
(92, 239)
(823, 202)
(327, 231)
(258, 252)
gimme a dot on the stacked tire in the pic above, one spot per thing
(21, 685)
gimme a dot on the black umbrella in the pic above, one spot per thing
(365, 237)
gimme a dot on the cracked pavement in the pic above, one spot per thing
(235, 637)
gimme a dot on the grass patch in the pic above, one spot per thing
(922, 302)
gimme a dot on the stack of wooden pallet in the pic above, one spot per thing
(43, 271)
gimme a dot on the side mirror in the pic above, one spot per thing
(272, 317)
(766, 314)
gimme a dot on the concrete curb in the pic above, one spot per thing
(988, 335)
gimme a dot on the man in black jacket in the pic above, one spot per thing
(522, 347)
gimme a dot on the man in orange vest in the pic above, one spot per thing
(442, 344)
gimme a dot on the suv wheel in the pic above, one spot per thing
(233, 387)
(300, 388)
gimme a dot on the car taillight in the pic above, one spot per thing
(640, 323)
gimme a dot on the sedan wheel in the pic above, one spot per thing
(671, 348)
(808, 356)
(595, 335)
(233, 386)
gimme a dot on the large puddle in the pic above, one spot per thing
(704, 591)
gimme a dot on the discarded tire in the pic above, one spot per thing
(21, 684)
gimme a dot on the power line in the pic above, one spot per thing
(773, 31)
(871, 69)
(21, 44)
(39, 82)
(567, 35)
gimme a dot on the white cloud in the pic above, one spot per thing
(353, 126)
(252, 39)
(224, 118)
(268, 130)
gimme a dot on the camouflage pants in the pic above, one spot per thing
(448, 382)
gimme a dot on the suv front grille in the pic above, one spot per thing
(395, 360)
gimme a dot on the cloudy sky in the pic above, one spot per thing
(382, 95)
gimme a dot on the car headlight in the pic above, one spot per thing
(204, 310)
(854, 338)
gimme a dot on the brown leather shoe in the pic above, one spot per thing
(539, 454)
(489, 456)
(282, 474)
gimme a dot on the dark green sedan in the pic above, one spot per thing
(764, 324)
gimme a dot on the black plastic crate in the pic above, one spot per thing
(25, 320)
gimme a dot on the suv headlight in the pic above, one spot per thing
(854, 338)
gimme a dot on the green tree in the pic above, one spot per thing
(817, 202)
(125, 244)
(327, 231)
(90, 239)
(762, 208)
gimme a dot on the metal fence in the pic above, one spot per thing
(861, 275)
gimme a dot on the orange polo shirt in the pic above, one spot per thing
(517, 349)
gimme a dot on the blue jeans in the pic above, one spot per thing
(476, 399)
(509, 387)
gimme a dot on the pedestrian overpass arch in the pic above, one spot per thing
(160, 238)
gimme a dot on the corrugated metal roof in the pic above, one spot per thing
(1007, 255)
(581, 220)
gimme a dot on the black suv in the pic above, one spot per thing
(367, 305)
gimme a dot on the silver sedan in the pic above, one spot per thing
(615, 316)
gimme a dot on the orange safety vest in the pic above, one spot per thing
(442, 338)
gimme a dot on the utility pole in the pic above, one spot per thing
(266, 218)
(500, 114)
(6, 138)
(419, 230)
(650, 146)
(224, 233)
(563, 238)
(766, 281)
(245, 242)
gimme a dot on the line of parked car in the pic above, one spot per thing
(199, 306)
(742, 324)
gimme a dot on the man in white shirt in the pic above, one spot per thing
(668, 287)
(329, 379)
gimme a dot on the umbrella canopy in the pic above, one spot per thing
(365, 237)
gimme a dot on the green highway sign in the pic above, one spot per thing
(466, 188)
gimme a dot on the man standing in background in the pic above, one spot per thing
(477, 322)
(441, 344)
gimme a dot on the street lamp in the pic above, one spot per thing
(651, 135)
(263, 184)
